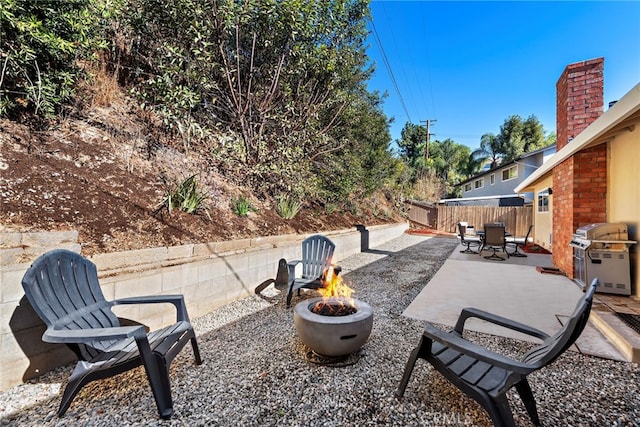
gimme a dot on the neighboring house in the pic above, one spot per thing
(595, 175)
(494, 187)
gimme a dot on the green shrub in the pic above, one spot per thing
(287, 207)
(242, 206)
(187, 197)
(330, 208)
(42, 47)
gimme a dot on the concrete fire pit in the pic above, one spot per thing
(330, 335)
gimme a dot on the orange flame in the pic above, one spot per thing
(334, 286)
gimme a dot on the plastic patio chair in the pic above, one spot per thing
(317, 252)
(487, 376)
(62, 286)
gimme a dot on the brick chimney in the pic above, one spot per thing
(580, 182)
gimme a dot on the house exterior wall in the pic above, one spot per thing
(525, 166)
(623, 198)
(500, 187)
(543, 221)
(579, 183)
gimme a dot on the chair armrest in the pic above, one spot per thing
(176, 300)
(456, 342)
(498, 320)
(68, 336)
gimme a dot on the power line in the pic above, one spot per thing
(388, 66)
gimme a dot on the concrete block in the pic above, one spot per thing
(17, 315)
(11, 283)
(232, 246)
(31, 253)
(137, 284)
(11, 256)
(128, 311)
(11, 373)
(175, 277)
(281, 239)
(201, 249)
(128, 259)
(237, 263)
(179, 252)
(49, 239)
(212, 269)
(11, 240)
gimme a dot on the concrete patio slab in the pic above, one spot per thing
(513, 289)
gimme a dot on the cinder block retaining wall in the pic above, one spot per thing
(208, 275)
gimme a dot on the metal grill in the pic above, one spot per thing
(602, 250)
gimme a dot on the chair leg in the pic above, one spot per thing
(516, 252)
(499, 411)
(289, 295)
(407, 373)
(196, 351)
(158, 376)
(77, 380)
(423, 348)
(524, 390)
(468, 250)
(495, 256)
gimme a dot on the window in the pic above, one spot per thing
(492, 178)
(543, 201)
(479, 183)
(467, 187)
(510, 173)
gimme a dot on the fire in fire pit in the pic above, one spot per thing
(335, 324)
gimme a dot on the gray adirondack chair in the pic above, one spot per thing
(62, 286)
(486, 376)
(317, 251)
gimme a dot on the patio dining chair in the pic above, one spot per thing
(63, 289)
(467, 240)
(516, 242)
(494, 240)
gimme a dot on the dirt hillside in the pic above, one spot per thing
(104, 171)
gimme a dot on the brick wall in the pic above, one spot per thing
(580, 182)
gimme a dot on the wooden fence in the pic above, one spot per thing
(445, 218)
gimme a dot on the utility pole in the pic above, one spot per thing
(428, 124)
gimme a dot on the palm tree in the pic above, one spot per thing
(490, 149)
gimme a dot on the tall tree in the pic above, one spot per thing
(533, 134)
(511, 137)
(490, 150)
(412, 143)
(449, 158)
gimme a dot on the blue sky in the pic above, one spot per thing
(470, 65)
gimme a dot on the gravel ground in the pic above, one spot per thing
(255, 370)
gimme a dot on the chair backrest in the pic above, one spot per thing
(63, 288)
(462, 226)
(555, 345)
(494, 235)
(317, 251)
(526, 238)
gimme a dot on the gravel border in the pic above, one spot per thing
(255, 372)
